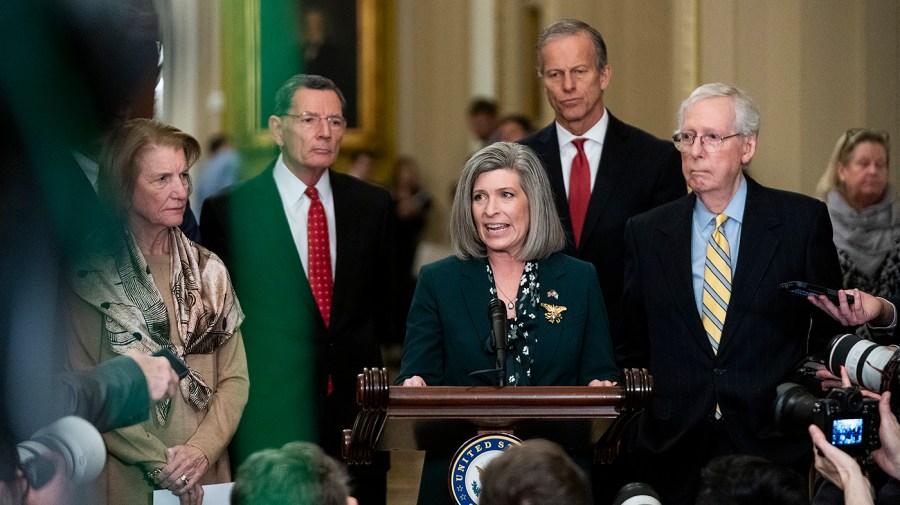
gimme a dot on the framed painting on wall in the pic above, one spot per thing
(275, 39)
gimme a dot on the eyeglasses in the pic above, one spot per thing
(310, 121)
(711, 142)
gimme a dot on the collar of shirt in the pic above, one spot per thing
(705, 220)
(593, 148)
(293, 190)
(296, 208)
(703, 224)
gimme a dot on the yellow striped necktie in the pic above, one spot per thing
(716, 287)
(716, 283)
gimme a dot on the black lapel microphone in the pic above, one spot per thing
(497, 315)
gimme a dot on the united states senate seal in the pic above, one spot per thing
(470, 460)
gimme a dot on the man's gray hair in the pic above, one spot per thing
(285, 93)
(569, 27)
(545, 234)
(746, 114)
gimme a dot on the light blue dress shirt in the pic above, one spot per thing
(703, 225)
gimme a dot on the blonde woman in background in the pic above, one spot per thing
(864, 211)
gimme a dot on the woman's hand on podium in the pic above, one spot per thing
(415, 381)
(596, 383)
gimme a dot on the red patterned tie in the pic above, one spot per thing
(319, 266)
(579, 189)
(319, 261)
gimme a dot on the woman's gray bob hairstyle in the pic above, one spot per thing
(545, 234)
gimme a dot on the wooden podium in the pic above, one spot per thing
(441, 418)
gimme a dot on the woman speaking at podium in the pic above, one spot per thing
(506, 237)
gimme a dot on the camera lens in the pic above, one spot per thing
(76, 442)
(793, 407)
(869, 365)
(636, 493)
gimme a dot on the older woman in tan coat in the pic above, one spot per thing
(147, 287)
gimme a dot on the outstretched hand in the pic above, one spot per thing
(162, 381)
(865, 307)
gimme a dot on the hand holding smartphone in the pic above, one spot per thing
(805, 289)
(178, 365)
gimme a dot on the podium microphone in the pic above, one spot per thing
(497, 315)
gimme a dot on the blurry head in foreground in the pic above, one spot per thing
(538, 472)
(299, 473)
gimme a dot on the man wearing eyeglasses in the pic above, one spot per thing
(702, 297)
(602, 170)
(309, 253)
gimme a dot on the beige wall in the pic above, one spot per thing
(432, 94)
(815, 67)
(434, 78)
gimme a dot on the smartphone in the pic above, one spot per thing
(178, 365)
(804, 289)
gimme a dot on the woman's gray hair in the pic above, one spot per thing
(545, 234)
(843, 151)
(746, 114)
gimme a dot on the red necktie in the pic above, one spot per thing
(319, 262)
(579, 189)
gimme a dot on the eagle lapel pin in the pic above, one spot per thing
(554, 312)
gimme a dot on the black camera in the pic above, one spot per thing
(848, 419)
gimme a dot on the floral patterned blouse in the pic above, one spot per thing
(521, 331)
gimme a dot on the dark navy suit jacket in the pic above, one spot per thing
(784, 237)
(637, 172)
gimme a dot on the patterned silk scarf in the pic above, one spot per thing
(521, 331)
(117, 281)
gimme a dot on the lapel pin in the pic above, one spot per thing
(554, 312)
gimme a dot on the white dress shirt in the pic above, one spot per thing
(296, 208)
(593, 148)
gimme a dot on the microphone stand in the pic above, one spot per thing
(500, 344)
(497, 315)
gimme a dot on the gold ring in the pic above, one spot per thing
(184, 479)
